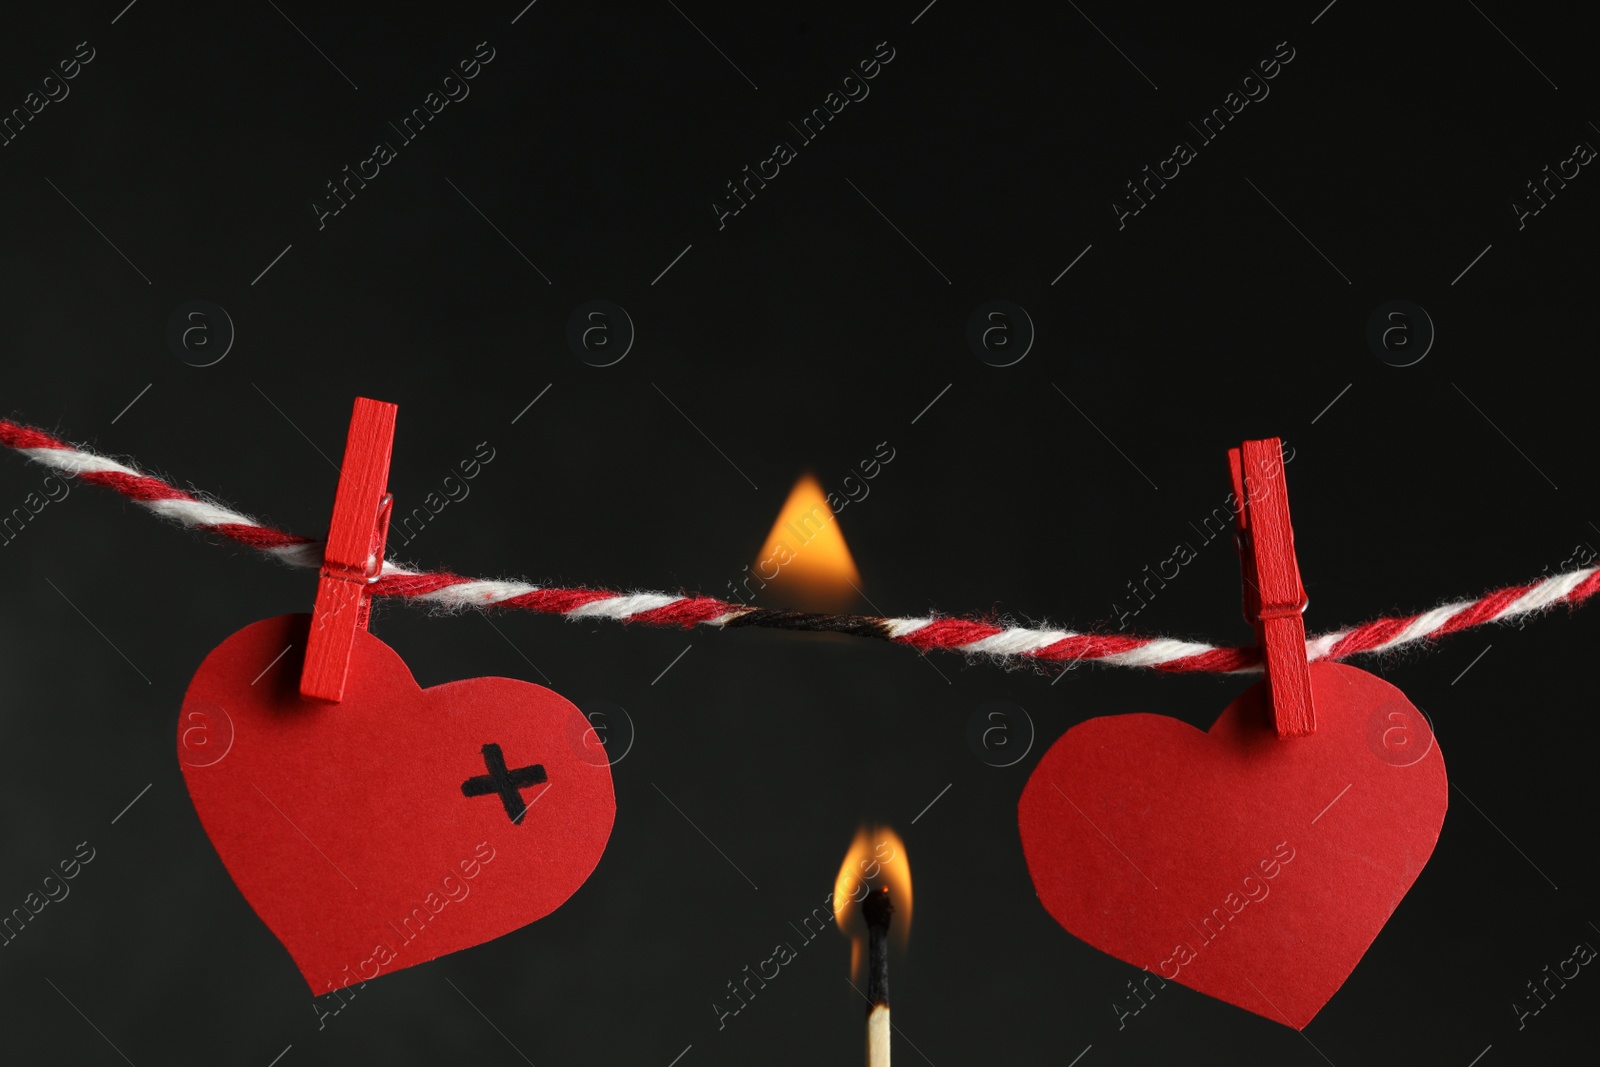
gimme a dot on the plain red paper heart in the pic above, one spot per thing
(1252, 869)
(346, 825)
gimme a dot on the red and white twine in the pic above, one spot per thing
(1014, 644)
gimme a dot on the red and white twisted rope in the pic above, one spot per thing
(1011, 643)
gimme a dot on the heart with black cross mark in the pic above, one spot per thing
(399, 824)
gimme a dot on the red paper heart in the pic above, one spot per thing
(346, 826)
(1252, 869)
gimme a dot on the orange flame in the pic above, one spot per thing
(876, 859)
(805, 556)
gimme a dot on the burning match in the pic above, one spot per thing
(876, 909)
(875, 879)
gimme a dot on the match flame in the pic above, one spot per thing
(876, 860)
(805, 556)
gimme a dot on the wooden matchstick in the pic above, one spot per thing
(876, 910)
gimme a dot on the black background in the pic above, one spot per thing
(796, 338)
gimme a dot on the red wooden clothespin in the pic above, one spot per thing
(353, 556)
(1273, 595)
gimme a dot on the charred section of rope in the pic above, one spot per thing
(773, 619)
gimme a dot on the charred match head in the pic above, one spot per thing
(876, 910)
